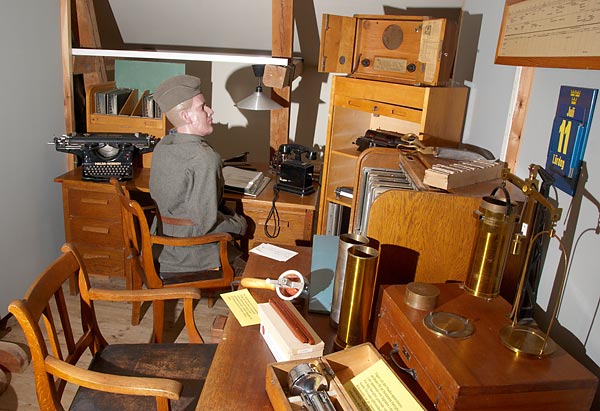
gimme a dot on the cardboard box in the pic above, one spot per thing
(345, 365)
(280, 339)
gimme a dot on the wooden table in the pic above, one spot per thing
(236, 379)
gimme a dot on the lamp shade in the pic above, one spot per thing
(258, 101)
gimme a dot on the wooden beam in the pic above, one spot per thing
(282, 46)
(90, 37)
(67, 69)
(518, 118)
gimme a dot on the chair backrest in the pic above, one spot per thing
(44, 303)
(139, 244)
(136, 236)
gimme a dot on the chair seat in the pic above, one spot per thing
(186, 363)
(190, 277)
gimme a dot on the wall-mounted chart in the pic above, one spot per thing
(550, 33)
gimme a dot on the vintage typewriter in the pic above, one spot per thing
(105, 155)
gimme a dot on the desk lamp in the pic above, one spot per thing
(258, 100)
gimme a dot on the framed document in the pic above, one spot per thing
(550, 33)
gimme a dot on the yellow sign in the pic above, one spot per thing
(243, 306)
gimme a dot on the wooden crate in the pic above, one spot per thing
(346, 364)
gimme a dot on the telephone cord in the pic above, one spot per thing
(273, 214)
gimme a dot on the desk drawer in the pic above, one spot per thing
(94, 204)
(294, 224)
(103, 261)
(96, 232)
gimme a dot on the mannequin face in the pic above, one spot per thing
(198, 119)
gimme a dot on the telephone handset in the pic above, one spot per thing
(297, 150)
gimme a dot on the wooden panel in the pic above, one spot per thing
(424, 236)
(336, 51)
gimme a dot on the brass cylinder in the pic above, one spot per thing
(357, 297)
(496, 225)
(345, 242)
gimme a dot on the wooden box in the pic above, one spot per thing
(413, 50)
(344, 364)
(477, 372)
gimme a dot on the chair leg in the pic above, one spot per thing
(212, 301)
(159, 320)
(135, 283)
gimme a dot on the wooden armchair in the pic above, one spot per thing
(141, 261)
(152, 376)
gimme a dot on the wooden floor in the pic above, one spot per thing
(115, 323)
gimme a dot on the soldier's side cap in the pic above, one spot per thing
(176, 90)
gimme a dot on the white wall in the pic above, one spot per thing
(31, 113)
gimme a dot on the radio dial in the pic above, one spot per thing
(365, 62)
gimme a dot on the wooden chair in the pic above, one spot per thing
(120, 377)
(141, 263)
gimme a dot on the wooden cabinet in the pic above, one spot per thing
(436, 114)
(92, 218)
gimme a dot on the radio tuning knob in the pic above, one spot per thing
(411, 68)
(365, 62)
(342, 60)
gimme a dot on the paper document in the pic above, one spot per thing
(274, 252)
(243, 306)
(378, 389)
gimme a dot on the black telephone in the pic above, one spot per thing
(296, 174)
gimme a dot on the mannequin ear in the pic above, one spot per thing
(185, 116)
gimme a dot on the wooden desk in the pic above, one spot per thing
(92, 218)
(296, 213)
(236, 379)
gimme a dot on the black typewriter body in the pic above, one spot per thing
(104, 156)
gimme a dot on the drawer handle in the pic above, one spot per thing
(410, 371)
(400, 113)
(94, 201)
(99, 230)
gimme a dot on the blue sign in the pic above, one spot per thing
(569, 135)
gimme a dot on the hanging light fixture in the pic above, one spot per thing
(258, 100)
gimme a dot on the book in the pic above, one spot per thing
(115, 99)
(242, 181)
